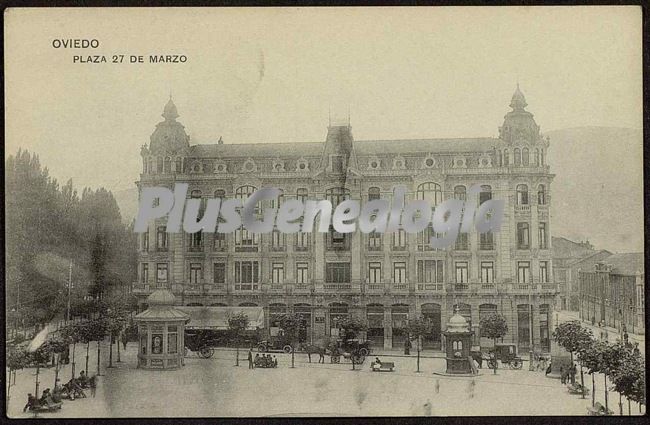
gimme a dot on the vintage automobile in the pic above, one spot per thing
(202, 342)
(277, 343)
(504, 352)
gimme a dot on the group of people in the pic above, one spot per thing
(265, 360)
(568, 374)
(73, 389)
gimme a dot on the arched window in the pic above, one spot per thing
(302, 194)
(243, 192)
(485, 194)
(517, 156)
(374, 193)
(276, 202)
(336, 195)
(460, 192)
(168, 165)
(245, 241)
(220, 193)
(429, 192)
(537, 157)
(541, 156)
(522, 194)
(506, 157)
(524, 157)
(150, 165)
(541, 194)
(179, 165)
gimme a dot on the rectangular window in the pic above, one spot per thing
(462, 272)
(302, 273)
(247, 275)
(374, 272)
(246, 240)
(145, 273)
(337, 272)
(424, 238)
(277, 273)
(277, 240)
(484, 195)
(145, 241)
(302, 241)
(543, 240)
(337, 241)
(523, 236)
(219, 273)
(161, 273)
(374, 241)
(399, 240)
(399, 272)
(487, 271)
(219, 241)
(486, 241)
(196, 241)
(430, 271)
(161, 238)
(523, 271)
(172, 342)
(196, 272)
(543, 271)
(462, 242)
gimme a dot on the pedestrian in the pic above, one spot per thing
(636, 349)
(549, 368)
(93, 385)
(562, 375)
(275, 361)
(31, 402)
(573, 373)
(250, 358)
(407, 347)
(437, 386)
(125, 340)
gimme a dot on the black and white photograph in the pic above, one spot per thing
(287, 212)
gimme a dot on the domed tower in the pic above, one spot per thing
(458, 340)
(524, 145)
(167, 144)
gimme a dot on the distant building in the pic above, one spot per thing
(383, 278)
(569, 258)
(613, 291)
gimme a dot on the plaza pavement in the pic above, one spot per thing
(215, 387)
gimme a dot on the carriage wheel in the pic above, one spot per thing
(358, 358)
(492, 364)
(516, 364)
(364, 351)
(206, 352)
(261, 347)
(287, 349)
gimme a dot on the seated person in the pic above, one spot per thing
(46, 398)
(377, 361)
(31, 402)
(257, 360)
(57, 391)
(376, 365)
(83, 379)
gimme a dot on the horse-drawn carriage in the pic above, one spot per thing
(201, 342)
(504, 352)
(351, 349)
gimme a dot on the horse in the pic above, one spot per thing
(315, 349)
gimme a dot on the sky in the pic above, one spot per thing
(274, 75)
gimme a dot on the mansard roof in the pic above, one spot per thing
(362, 147)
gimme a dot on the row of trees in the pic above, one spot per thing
(48, 226)
(619, 363)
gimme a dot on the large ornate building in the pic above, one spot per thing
(383, 278)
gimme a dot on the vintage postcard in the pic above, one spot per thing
(285, 212)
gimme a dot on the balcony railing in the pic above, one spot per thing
(461, 286)
(522, 208)
(430, 287)
(337, 286)
(486, 246)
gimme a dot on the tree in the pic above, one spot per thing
(418, 328)
(72, 335)
(572, 337)
(237, 325)
(351, 327)
(291, 324)
(592, 356)
(627, 378)
(494, 326)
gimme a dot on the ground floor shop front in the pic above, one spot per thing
(529, 319)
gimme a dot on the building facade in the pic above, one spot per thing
(569, 258)
(383, 278)
(613, 292)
